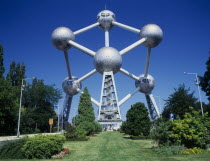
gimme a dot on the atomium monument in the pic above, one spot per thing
(108, 61)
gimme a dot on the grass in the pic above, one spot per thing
(109, 146)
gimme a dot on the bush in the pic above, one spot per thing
(194, 150)
(41, 146)
(12, 149)
(89, 127)
(98, 127)
(70, 132)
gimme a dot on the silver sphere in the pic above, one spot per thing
(60, 36)
(107, 59)
(153, 33)
(70, 86)
(146, 84)
(105, 19)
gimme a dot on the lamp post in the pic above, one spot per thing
(21, 93)
(58, 117)
(197, 83)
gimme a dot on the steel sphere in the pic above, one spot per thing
(105, 19)
(70, 86)
(60, 36)
(153, 33)
(107, 59)
(146, 84)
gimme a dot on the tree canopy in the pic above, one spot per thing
(137, 120)
(179, 102)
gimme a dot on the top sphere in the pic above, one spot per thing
(60, 37)
(105, 19)
(153, 33)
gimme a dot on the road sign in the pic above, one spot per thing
(50, 121)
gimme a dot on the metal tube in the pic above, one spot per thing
(126, 27)
(95, 102)
(147, 62)
(106, 38)
(131, 47)
(18, 131)
(199, 95)
(123, 71)
(86, 28)
(87, 75)
(67, 64)
(128, 96)
(82, 48)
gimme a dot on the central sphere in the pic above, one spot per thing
(107, 59)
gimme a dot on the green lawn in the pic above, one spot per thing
(114, 146)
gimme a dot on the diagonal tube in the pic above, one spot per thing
(126, 27)
(67, 64)
(87, 75)
(82, 48)
(129, 74)
(147, 62)
(134, 45)
(86, 28)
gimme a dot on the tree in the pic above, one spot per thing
(8, 108)
(85, 109)
(179, 102)
(137, 120)
(2, 69)
(39, 101)
(86, 119)
(16, 73)
(205, 80)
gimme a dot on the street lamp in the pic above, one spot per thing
(21, 92)
(197, 83)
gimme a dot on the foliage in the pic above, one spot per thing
(74, 133)
(41, 146)
(205, 80)
(179, 102)
(137, 120)
(160, 132)
(12, 149)
(98, 127)
(191, 131)
(85, 109)
(89, 127)
(39, 100)
(8, 108)
(194, 150)
(170, 150)
(124, 128)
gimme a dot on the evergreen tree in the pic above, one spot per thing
(178, 103)
(137, 120)
(85, 109)
(205, 80)
(2, 69)
(85, 120)
(16, 73)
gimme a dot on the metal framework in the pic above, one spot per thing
(108, 61)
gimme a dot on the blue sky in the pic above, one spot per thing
(26, 27)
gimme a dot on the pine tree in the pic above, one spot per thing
(137, 120)
(2, 69)
(85, 109)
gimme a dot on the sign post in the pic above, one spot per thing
(51, 123)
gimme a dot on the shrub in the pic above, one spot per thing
(70, 132)
(41, 146)
(160, 132)
(12, 149)
(89, 127)
(194, 150)
(98, 127)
